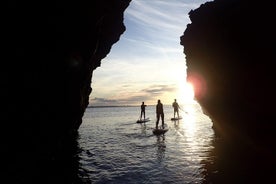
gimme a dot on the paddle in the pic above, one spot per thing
(183, 110)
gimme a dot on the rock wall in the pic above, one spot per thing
(230, 58)
(54, 46)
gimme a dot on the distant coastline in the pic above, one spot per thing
(106, 106)
(112, 106)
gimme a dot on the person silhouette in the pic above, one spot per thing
(175, 108)
(159, 112)
(143, 111)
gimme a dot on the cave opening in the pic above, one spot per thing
(145, 65)
(147, 62)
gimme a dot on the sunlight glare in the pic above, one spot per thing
(185, 92)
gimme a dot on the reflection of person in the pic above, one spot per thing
(175, 108)
(159, 112)
(143, 110)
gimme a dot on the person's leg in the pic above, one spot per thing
(173, 113)
(157, 121)
(162, 116)
(177, 113)
(144, 115)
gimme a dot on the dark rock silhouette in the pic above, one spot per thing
(229, 48)
(54, 47)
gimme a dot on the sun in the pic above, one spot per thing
(185, 92)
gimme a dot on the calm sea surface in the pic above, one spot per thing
(116, 149)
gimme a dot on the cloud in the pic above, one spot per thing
(125, 97)
(159, 89)
(103, 100)
(161, 15)
(135, 99)
(145, 14)
(126, 100)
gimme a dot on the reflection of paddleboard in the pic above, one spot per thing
(173, 119)
(143, 120)
(159, 131)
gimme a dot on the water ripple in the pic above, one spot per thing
(118, 150)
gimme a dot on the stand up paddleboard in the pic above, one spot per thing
(159, 131)
(174, 119)
(143, 120)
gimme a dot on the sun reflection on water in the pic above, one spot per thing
(180, 155)
(193, 136)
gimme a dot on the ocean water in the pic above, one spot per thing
(116, 149)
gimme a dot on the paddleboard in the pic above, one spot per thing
(173, 119)
(143, 120)
(159, 131)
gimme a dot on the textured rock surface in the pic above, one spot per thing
(54, 47)
(230, 59)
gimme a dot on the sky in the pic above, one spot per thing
(148, 62)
